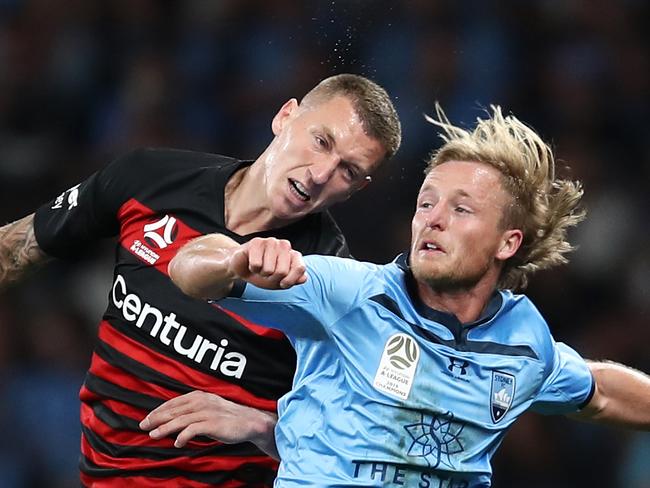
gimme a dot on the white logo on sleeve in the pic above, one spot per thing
(397, 367)
(72, 200)
(161, 233)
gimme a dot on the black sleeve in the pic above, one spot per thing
(88, 211)
(332, 241)
(339, 247)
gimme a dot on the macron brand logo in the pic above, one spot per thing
(176, 336)
(72, 200)
(397, 366)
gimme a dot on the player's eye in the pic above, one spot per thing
(321, 141)
(350, 172)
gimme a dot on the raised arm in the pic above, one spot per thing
(208, 266)
(621, 397)
(19, 251)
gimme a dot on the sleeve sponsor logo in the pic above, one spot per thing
(397, 366)
(71, 201)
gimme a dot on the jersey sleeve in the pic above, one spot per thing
(307, 310)
(331, 240)
(87, 211)
(568, 387)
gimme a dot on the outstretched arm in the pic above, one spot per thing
(200, 413)
(207, 267)
(19, 251)
(622, 397)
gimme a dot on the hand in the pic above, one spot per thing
(268, 263)
(201, 413)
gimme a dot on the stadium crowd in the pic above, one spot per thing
(83, 82)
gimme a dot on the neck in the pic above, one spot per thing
(467, 304)
(246, 209)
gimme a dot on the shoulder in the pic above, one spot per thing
(347, 273)
(338, 263)
(342, 283)
(167, 158)
(315, 233)
(523, 324)
(326, 236)
(146, 171)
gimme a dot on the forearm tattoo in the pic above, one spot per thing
(19, 251)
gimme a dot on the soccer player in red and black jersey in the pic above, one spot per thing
(155, 343)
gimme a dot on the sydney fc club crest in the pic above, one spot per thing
(397, 367)
(501, 394)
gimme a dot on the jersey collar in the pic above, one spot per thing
(447, 319)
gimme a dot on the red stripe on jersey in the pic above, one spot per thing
(144, 482)
(125, 410)
(150, 237)
(85, 395)
(121, 437)
(201, 464)
(257, 329)
(176, 370)
(117, 376)
(171, 234)
(138, 414)
(134, 413)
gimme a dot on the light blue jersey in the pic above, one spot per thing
(389, 392)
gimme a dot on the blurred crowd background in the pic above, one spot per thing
(83, 81)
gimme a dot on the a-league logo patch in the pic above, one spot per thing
(161, 233)
(155, 235)
(397, 366)
(501, 394)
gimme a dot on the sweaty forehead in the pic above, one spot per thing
(465, 178)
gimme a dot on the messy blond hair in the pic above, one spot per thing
(543, 207)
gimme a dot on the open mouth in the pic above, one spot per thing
(299, 190)
(430, 246)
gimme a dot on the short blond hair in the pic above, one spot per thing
(543, 207)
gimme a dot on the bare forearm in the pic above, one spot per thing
(201, 270)
(19, 251)
(208, 266)
(622, 396)
(201, 413)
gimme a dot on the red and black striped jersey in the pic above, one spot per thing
(155, 343)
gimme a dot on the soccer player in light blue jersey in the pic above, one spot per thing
(410, 374)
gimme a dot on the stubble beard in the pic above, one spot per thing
(448, 281)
